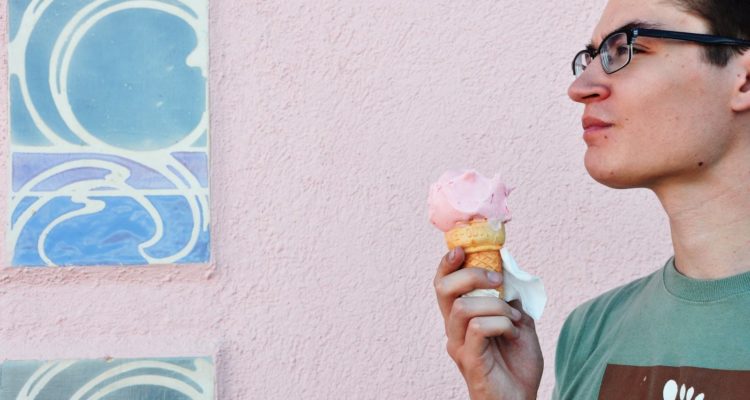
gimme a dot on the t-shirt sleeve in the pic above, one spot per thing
(563, 354)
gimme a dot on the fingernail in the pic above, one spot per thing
(494, 277)
(516, 314)
(452, 255)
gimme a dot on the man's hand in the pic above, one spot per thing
(493, 343)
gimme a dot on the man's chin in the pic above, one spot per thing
(612, 177)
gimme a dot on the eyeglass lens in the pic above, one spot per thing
(615, 54)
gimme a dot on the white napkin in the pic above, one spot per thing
(518, 285)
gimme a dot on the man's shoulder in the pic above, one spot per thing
(615, 298)
(603, 314)
(594, 323)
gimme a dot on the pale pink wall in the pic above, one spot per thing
(329, 121)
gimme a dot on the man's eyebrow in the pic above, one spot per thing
(637, 24)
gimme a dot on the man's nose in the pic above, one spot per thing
(590, 85)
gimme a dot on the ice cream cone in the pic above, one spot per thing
(481, 241)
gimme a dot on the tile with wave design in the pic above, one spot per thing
(111, 379)
(109, 132)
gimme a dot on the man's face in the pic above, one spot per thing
(666, 116)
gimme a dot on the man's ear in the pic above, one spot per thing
(741, 96)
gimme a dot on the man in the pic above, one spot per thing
(668, 109)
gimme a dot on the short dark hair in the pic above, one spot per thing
(729, 18)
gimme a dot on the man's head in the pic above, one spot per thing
(678, 110)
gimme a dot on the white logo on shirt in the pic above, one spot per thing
(670, 392)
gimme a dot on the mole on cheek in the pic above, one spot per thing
(700, 164)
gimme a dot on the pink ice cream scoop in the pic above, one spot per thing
(459, 197)
(472, 211)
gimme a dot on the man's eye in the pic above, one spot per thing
(622, 50)
(636, 50)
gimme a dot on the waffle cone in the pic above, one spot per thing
(481, 242)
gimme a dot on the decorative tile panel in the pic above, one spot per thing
(136, 379)
(109, 132)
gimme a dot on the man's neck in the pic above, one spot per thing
(710, 225)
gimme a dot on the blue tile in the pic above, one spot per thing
(109, 132)
(113, 379)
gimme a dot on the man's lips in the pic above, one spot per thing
(594, 129)
(591, 123)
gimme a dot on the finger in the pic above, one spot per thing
(482, 328)
(525, 318)
(450, 262)
(463, 281)
(466, 308)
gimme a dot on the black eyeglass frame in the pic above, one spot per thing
(633, 33)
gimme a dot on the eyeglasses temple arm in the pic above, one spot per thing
(691, 37)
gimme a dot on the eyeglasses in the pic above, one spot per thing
(616, 49)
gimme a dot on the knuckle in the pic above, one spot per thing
(474, 326)
(439, 287)
(454, 352)
(460, 308)
(452, 349)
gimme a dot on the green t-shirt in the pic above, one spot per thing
(664, 336)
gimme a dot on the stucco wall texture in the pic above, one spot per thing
(329, 120)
